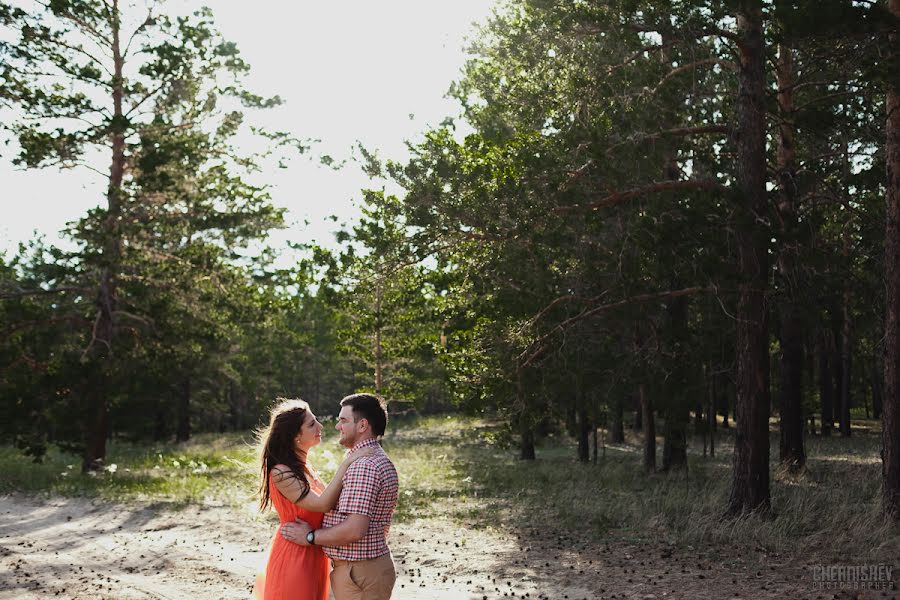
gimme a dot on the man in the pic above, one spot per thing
(354, 534)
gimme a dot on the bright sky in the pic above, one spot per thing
(348, 70)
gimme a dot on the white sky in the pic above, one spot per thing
(348, 70)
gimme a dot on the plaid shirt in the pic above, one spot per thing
(370, 488)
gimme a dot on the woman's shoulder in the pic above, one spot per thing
(281, 472)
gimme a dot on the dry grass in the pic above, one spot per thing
(458, 468)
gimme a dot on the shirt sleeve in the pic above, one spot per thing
(361, 486)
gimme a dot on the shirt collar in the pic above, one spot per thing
(365, 444)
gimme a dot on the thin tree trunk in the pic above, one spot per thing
(378, 347)
(584, 432)
(595, 428)
(649, 430)
(183, 430)
(726, 404)
(825, 389)
(750, 482)
(617, 427)
(792, 453)
(845, 366)
(711, 417)
(891, 399)
(527, 442)
(846, 348)
(526, 429)
(101, 344)
(877, 372)
(837, 368)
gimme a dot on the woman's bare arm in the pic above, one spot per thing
(292, 488)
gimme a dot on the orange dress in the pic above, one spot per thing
(294, 572)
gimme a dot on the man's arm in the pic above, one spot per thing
(342, 534)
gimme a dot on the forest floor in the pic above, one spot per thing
(492, 542)
(79, 548)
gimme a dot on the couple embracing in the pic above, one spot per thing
(341, 526)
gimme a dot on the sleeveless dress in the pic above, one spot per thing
(294, 572)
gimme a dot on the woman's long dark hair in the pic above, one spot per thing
(276, 445)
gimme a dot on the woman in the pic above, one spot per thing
(293, 487)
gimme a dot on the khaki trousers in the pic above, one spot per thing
(363, 579)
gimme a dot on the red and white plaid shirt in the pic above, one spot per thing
(370, 488)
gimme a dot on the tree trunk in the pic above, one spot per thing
(183, 429)
(837, 365)
(572, 420)
(95, 443)
(378, 348)
(792, 453)
(750, 482)
(159, 424)
(617, 427)
(845, 366)
(649, 430)
(596, 427)
(674, 456)
(711, 417)
(584, 432)
(101, 345)
(726, 404)
(638, 423)
(526, 429)
(891, 417)
(527, 442)
(845, 348)
(825, 389)
(877, 371)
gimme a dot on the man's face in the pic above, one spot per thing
(348, 427)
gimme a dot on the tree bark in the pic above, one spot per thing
(527, 442)
(825, 388)
(750, 482)
(726, 404)
(649, 430)
(792, 452)
(711, 417)
(183, 429)
(674, 456)
(617, 427)
(845, 305)
(100, 347)
(526, 429)
(891, 398)
(584, 432)
(378, 348)
(877, 372)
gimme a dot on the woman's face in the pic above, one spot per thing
(310, 433)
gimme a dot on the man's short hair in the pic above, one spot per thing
(369, 407)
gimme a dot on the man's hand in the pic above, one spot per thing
(296, 532)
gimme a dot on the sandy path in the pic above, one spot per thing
(77, 548)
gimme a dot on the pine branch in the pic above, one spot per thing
(661, 186)
(690, 66)
(40, 292)
(677, 132)
(584, 314)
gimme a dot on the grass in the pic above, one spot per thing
(207, 468)
(459, 469)
(832, 510)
